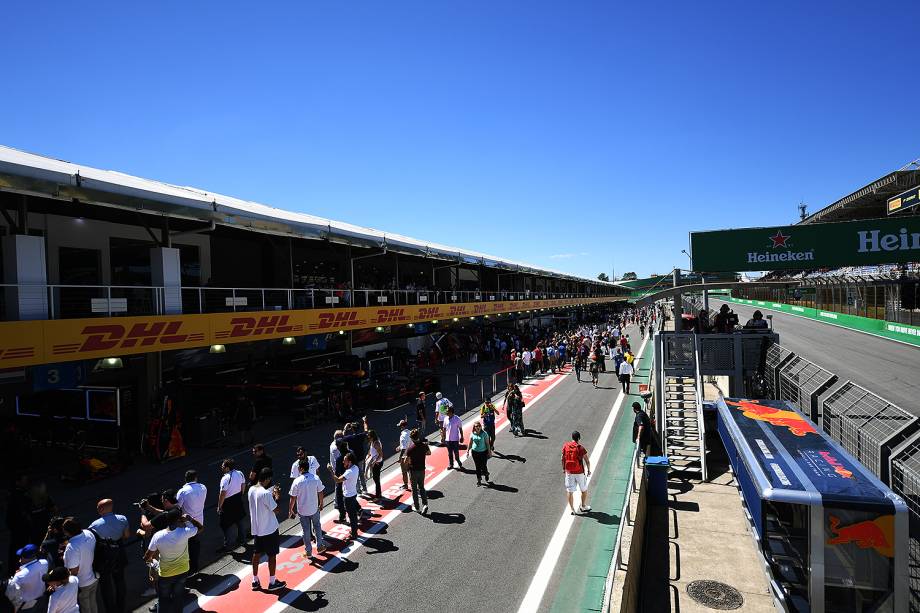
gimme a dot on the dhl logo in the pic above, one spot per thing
(876, 533)
(839, 468)
(752, 409)
(385, 316)
(340, 318)
(106, 337)
(456, 310)
(429, 313)
(259, 326)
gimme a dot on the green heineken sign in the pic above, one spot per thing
(826, 245)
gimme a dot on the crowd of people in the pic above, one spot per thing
(72, 567)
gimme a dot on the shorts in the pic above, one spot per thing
(267, 544)
(575, 481)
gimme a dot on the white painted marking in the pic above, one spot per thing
(540, 581)
(293, 540)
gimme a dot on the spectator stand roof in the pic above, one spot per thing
(869, 201)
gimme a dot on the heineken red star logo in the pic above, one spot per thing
(779, 239)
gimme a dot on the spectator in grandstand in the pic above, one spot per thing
(756, 322)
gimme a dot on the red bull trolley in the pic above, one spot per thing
(832, 536)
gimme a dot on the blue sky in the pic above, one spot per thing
(573, 135)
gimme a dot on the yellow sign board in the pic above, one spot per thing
(27, 343)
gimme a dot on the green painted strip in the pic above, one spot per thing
(886, 329)
(581, 586)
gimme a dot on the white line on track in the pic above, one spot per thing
(540, 581)
(297, 591)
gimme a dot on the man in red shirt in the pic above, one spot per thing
(577, 468)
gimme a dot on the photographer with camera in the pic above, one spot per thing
(168, 553)
(725, 320)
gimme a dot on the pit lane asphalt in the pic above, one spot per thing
(882, 366)
(479, 547)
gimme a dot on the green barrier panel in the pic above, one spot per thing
(887, 329)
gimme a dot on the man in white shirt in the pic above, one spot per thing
(312, 463)
(64, 591)
(349, 481)
(405, 441)
(230, 505)
(263, 502)
(625, 372)
(78, 558)
(28, 580)
(306, 501)
(527, 357)
(190, 498)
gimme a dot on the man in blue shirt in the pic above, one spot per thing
(114, 528)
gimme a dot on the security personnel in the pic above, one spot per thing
(29, 579)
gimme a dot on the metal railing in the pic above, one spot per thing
(73, 301)
(802, 381)
(700, 421)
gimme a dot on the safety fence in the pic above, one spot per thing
(882, 436)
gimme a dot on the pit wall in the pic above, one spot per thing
(895, 331)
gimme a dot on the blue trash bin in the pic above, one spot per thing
(657, 469)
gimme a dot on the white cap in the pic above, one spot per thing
(438, 395)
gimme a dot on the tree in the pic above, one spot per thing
(603, 277)
(629, 276)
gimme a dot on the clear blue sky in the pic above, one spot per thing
(574, 135)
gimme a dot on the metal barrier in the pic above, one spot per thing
(735, 355)
(904, 470)
(868, 426)
(777, 356)
(801, 382)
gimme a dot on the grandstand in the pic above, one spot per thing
(889, 292)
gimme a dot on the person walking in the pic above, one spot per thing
(514, 406)
(474, 360)
(626, 371)
(230, 510)
(114, 528)
(576, 465)
(170, 548)
(374, 461)
(349, 481)
(337, 451)
(263, 523)
(415, 459)
(487, 414)
(28, 580)
(453, 429)
(481, 450)
(405, 441)
(441, 406)
(78, 558)
(190, 499)
(262, 460)
(420, 417)
(306, 500)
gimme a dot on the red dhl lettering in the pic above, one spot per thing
(480, 308)
(340, 318)
(457, 310)
(429, 313)
(257, 326)
(109, 336)
(391, 315)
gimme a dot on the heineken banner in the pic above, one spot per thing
(826, 245)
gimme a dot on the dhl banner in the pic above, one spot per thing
(27, 343)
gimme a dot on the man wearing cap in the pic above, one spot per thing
(440, 412)
(405, 441)
(115, 528)
(28, 579)
(78, 558)
(64, 589)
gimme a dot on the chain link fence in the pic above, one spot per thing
(777, 356)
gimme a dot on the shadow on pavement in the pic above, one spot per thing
(498, 487)
(603, 518)
(510, 457)
(378, 545)
(447, 518)
(313, 600)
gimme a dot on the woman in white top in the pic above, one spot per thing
(374, 460)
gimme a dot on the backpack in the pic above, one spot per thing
(107, 555)
(571, 457)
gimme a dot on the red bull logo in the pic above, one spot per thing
(877, 534)
(753, 409)
(839, 468)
